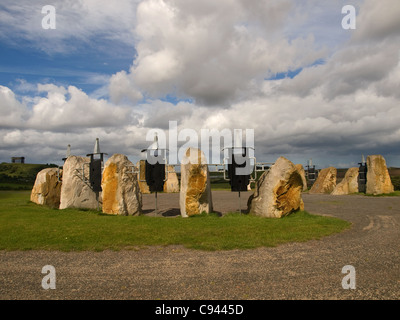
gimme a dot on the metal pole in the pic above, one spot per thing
(240, 207)
(98, 203)
(156, 201)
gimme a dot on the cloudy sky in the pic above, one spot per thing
(286, 69)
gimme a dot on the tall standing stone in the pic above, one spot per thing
(141, 177)
(349, 184)
(302, 173)
(121, 194)
(75, 193)
(378, 178)
(195, 193)
(47, 188)
(325, 182)
(171, 185)
(278, 191)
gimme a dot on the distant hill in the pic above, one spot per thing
(395, 177)
(20, 176)
(394, 172)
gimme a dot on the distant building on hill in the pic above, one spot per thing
(18, 160)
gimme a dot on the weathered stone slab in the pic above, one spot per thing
(195, 193)
(378, 178)
(325, 182)
(172, 183)
(75, 193)
(302, 173)
(141, 176)
(47, 188)
(278, 191)
(349, 184)
(120, 189)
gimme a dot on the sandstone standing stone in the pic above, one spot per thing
(278, 191)
(195, 193)
(120, 189)
(378, 178)
(172, 183)
(74, 192)
(349, 184)
(47, 188)
(141, 177)
(302, 173)
(325, 182)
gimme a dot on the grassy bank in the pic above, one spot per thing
(26, 226)
(19, 176)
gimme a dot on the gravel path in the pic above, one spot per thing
(310, 270)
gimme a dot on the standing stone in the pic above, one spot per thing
(195, 193)
(325, 182)
(172, 183)
(378, 178)
(141, 177)
(278, 191)
(47, 188)
(349, 184)
(121, 194)
(75, 193)
(302, 173)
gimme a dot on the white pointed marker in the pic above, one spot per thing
(154, 145)
(97, 147)
(68, 151)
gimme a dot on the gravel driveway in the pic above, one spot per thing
(310, 270)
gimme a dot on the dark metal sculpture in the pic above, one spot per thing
(96, 170)
(362, 176)
(155, 173)
(311, 174)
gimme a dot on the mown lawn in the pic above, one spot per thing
(27, 226)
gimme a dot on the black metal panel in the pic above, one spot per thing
(155, 176)
(238, 182)
(362, 178)
(95, 174)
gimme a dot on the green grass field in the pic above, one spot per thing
(27, 226)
